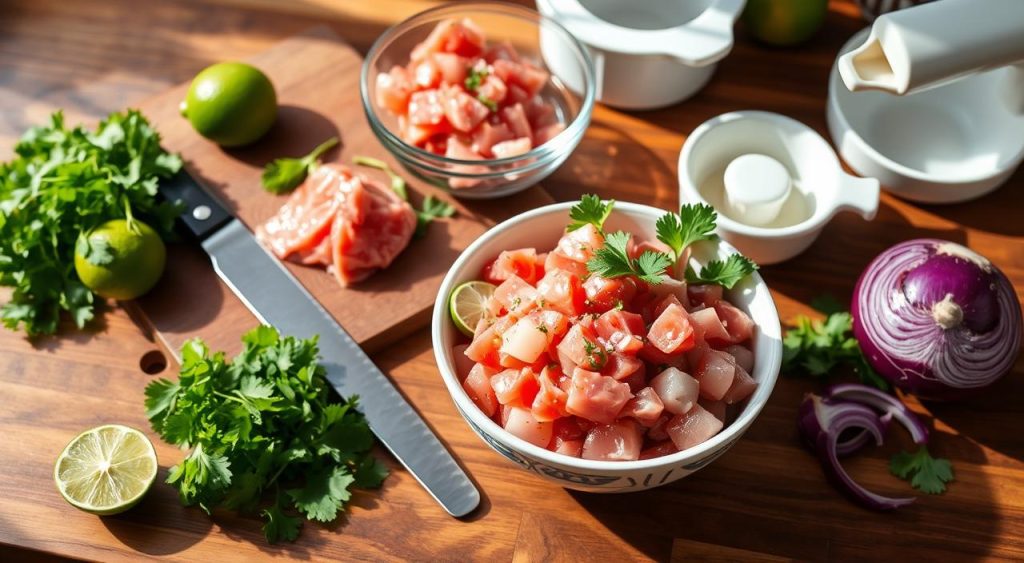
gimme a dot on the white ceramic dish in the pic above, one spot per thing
(812, 164)
(647, 54)
(948, 144)
(541, 229)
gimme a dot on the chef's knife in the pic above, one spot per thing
(276, 298)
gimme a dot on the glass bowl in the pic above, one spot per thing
(527, 31)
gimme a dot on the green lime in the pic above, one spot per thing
(784, 22)
(232, 104)
(119, 261)
(468, 304)
(106, 470)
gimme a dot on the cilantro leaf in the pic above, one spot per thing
(652, 265)
(726, 274)
(590, 210)
(433, 208)
(96, 251)
(397, 182)
(924, 472)
(263, 423)
(821, 349)
(285, 174)
(475, 77)
(61, 183)
(693, 223)
(612, 261)
(491, 104)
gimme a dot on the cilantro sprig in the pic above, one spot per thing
(925, 473)
(590, 210)
(725, 273)
(693, 223)
(612, 260)
(818, 348)
(265, 433)
(285, 174)
(64, 182)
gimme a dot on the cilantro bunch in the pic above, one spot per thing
(694, 223)
(265, 434)
(64, 182)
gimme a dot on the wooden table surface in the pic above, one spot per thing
(765, 499)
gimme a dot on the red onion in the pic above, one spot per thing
(936, 319)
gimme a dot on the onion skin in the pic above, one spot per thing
(936, 319)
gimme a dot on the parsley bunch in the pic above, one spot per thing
(694, 223)
(264, 433)
(64, 182)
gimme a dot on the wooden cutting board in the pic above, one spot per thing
(316, 76)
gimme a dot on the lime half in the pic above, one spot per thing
(106, 470)
(468, 304)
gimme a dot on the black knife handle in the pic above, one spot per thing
(203, 214)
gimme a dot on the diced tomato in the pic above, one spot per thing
(664, 304)
(515, 117)
(545, 133)
(478, 387)
(671, 332)
(658, 450)
(514, 147)
(742, 387)
(493, 88)
(463, 111)
(670, 286)
(539, 113)
(617, 441)
(717, 408)
(707, 294)
(461, 37)
(711, 328)
(426, 74)
(737, 322)
(637, 380)
(693, 428)
(462, 363)
(622, 330)
(522, 74)
(743, 356)
(525, 341)
(452, 67)
(487, 135)
(646, 407)
(619, 366)
(561, 291)
(580, 245)
(521, 423)
(558, 261)
(503, 50)
(515, 295)
(677, 390)
(596, 397)
(426, 108)
(715, 373)
(419, 135)
(511, 362)
(484, 348)
(603, 294)
(515, 387)
(516, 95)
(553, 324)
(522, 263)
(393, 90)
(638, 247)
(549, 403)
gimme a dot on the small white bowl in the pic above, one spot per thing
(647, 54)
(808, 158)
(541, 229)
(948, 144)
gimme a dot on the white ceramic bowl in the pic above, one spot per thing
(948, 144)
(541, 228)
(808, 158)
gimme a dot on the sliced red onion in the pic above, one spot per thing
(889, 406)
(821, 422)
(937, 319)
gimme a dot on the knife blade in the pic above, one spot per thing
(276, 298)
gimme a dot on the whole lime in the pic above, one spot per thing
(232, 104)
(784, 22)
(118, 260)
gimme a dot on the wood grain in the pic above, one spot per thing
(765, 499)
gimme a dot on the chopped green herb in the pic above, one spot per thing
(924, 472)
(491, 104)
(726, 274)
(433, 208)
(542, 328)
(397, 182)
(285, 174)
(590, 210)
(816, 349)
(596, 355)
(612, 261)
(693, 223)
(474, 78)
(264, 431)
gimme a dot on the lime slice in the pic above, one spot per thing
(468, 304)
(106, 470)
